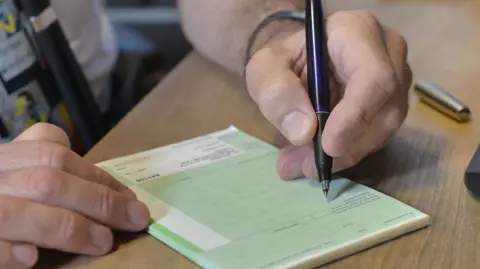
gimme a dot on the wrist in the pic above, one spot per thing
(275, 28)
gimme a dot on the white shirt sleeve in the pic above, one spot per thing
(92, 40)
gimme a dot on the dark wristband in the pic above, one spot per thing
(279, 15)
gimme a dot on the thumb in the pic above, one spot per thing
(44, 132)
(280, 94)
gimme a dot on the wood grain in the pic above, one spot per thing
(423, 164)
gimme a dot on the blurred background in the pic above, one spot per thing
(154, 21)
(151, 44)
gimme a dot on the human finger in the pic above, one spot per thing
(51, 227)
(375, 137)
(17, 256)
(26, 154)
(397, 49)
(389, 119)
(44, 132)
(280, 94)
(290, 161)
(364, 63)
(295, 162)
(60, 189)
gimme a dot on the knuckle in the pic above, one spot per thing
(366, 15)
(42, 127)
(385, 74)
(393, 125)
(44, 183)
(66, 227)
(395, 120)
(362, 118)
(401, 41)
(104, 202)
(258, 57)
(354, 157)
(384, 77)
(53, 132)
(262, 54)
(5, 211)
(54, 155)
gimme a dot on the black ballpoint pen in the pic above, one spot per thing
(318, 85)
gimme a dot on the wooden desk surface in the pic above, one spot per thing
(423, 165)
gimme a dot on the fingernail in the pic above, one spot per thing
(25, 254)
(295, 125)
(101, 237)
(137, 214)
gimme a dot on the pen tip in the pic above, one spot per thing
(325, 192)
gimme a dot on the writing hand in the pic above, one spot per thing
(370, 79)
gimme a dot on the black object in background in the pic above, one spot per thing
(67, 73)
(472, 174)
(3, 130)
(140, 2)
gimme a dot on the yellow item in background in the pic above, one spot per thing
(25, 108)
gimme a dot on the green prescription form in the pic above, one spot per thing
(217, 199)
